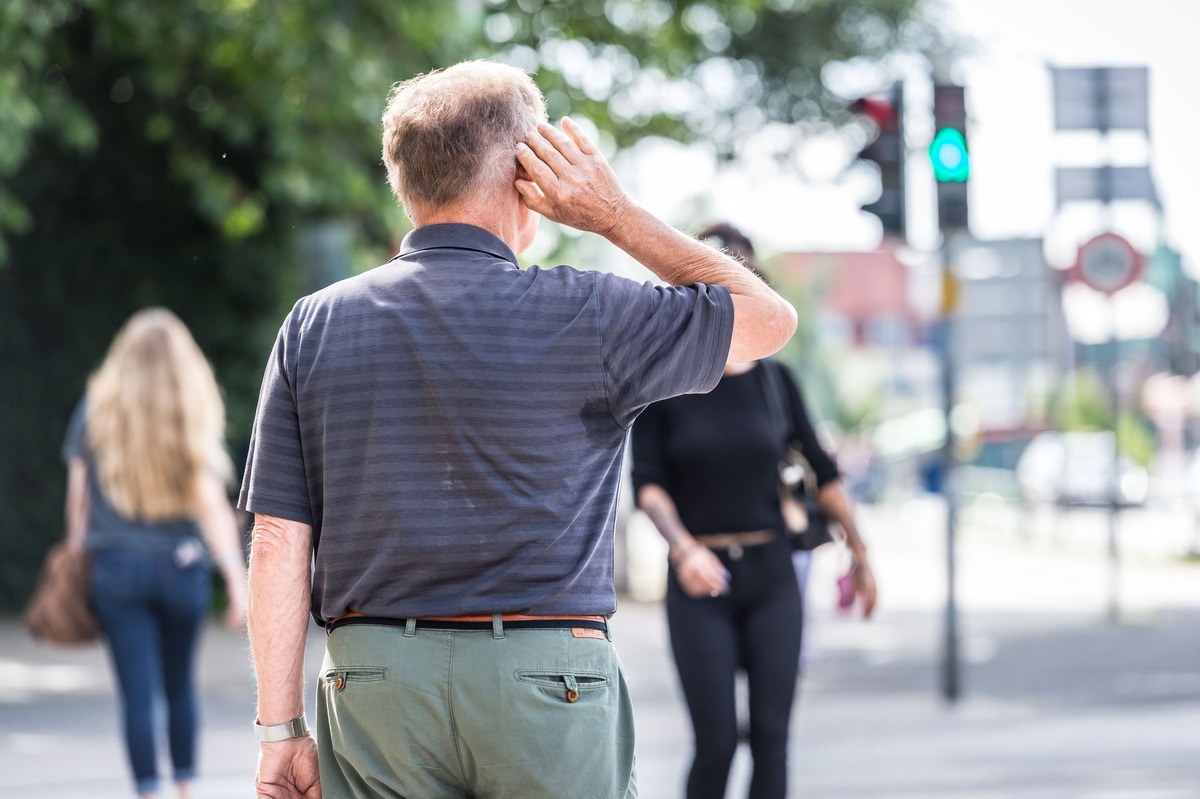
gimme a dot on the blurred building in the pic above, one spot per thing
(1011, 343)
(872, 341)
(1182, 337)
(863, 295)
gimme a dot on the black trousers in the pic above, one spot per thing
(756, 628)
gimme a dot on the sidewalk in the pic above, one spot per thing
(1057, 703)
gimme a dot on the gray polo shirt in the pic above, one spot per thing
(453, 426)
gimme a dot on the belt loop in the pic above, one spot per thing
(410, 627)
(497, 626)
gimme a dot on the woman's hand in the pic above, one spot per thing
(701, 573)
(864, 586)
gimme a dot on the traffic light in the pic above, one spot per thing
(950, 156)
(948, 152)
(886, 151)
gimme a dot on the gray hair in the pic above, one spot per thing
(451, 133)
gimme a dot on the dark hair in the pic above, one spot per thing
(725, 236)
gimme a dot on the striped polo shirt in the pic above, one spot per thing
(453, 427)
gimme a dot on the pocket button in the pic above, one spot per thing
(339, 684)
(572, 695)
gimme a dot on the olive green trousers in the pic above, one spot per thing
(505, 714)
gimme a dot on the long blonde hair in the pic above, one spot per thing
(156, 421)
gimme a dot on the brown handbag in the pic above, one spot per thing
(58, 611)
(804, 520)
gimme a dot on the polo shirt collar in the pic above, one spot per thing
(456, 236)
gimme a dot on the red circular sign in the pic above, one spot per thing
(1108, 263)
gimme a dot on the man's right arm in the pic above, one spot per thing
(279, 596)
(571, 183)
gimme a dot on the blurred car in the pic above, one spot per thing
(1077, 469)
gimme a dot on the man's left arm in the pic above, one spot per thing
(279, 596)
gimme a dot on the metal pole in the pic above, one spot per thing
(1114, 505)
(951, 671)
(1104, 115)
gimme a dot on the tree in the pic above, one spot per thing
(170, 152)
(698, 68)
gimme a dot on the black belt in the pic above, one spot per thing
(565, 623)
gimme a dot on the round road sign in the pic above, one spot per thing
(1108, 263)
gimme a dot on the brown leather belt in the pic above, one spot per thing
(726, 540)
(477, 621)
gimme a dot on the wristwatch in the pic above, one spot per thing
(270, 733)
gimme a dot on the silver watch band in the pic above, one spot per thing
(269, 733)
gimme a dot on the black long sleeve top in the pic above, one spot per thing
(717, 455)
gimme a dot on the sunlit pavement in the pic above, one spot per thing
(1058, 702)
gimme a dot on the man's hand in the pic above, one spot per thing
(569, 181)
(288, 770)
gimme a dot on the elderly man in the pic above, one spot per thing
(436, 459)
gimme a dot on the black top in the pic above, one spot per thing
(717, 455)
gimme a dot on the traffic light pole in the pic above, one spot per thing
(951, 681)
(951, 163)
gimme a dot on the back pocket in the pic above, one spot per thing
(340, 679)
(570, 686)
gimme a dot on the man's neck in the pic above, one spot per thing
(504, 226)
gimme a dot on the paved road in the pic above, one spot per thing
(1058, 702)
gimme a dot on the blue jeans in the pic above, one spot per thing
(151, 611)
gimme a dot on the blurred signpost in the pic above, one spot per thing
(1096, 182)
(1103, 99)
(1109, 263)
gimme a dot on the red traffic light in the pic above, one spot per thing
(878, 108)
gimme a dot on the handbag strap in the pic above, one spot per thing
(776, 398)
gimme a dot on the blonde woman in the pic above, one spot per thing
(146, 476)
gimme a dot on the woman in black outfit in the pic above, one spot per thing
(705, 470)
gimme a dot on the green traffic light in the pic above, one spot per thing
(948, 152)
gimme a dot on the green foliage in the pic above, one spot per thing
(1136, 438)
(169, 152)
(698, 69)
(296, 86)
(1085, 404)
(300, 85)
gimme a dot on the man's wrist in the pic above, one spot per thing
(270, 733)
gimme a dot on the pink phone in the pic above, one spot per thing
(846, 590)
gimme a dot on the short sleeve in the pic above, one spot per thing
(646, 443)
(73, 443)
(803, 432)
(274, 483)
(661, 341)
